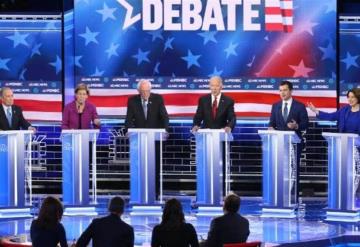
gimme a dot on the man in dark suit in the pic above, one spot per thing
(289, 114)
(109, 231)
(229, 228)
(147, 110)
(215, 110)
(11, 116)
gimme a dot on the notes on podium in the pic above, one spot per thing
(76, 163)
(343, 177)
(209, 169)
(142, 169)
(15, 145)
(279, 172)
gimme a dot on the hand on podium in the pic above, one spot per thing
(271, 128)
(293, 125)
(97, 122)
(32, 128)
(195, 129)
(227, 129)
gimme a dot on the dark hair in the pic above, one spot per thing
(356, 92)
(116, 205)
(82, 86)
(289, 84)
(50, 213)
(232, 203)
(173, 216)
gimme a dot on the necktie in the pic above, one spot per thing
(285, 113)
(9, 115)
(214, 108)
(144, 105)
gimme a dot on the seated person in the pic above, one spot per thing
(173, 231)
(229, 228)
(46, 230)
(109, 231)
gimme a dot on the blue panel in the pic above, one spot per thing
(4, 172)
(68, 172)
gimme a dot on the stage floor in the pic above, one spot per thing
(309, 229)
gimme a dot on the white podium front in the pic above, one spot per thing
(75, 155)
(209, 167)
(279, 172)
(142, 165)
(343, 178)
(12, 172)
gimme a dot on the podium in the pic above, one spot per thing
(12, 173)
(279, 172)
(142, 166)
(343, 177)
(209, 167)
(75, 156)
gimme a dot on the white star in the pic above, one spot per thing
(301, 70)
(107, 13)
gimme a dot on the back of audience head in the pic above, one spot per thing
(231, 203)
(50, 213)
(116, 205)
(173, 215)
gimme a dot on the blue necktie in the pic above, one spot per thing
(144, 105)
(9, 115)
(285, 113)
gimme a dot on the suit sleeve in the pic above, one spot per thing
(86, 236)
(304, 118)
(23, 123)
(163, 114)
(231, 117)
(129, 120)
(272, 122)
(199, 115)
(334, 116)
(65, 119)
(212, 239)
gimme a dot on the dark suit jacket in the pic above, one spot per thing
(225, 116)
(18, 120)
(109, 231)
(229, 228)
(157, 116)
(297, 112)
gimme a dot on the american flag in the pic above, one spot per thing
(279, 15)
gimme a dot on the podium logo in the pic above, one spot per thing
(192, 15)
(3, 148)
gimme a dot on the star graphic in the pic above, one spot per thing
(301, 70)
(156, 69)
(106, 12)
(156, 35)
(141, 56)
(35, 50)
(127, 75)
(19, 39)
(306, 26)
(57, 64)
(98, 73)
(230, 50)
(3, 63)
(208, 36)
(89, 36)
(112, 50)
(216, 73)
(328, 52)
(191, 59)
(77, 61)
(22, 75)
(350, 61)
(330, 7)
(168, 44)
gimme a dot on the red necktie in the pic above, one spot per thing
(214, 108)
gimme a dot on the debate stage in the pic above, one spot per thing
(308, 229)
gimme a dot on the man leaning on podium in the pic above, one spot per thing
(11, 116)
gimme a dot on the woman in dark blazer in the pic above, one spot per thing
(173, 231)
(46, 230)
(347, 117)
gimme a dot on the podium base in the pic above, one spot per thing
(15, 213)
(344, 216)
(274, 212)
(155, 210)
(80, 211)
(209, 211)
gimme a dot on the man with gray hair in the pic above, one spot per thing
(11, 116)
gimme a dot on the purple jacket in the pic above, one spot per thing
(71, 116)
